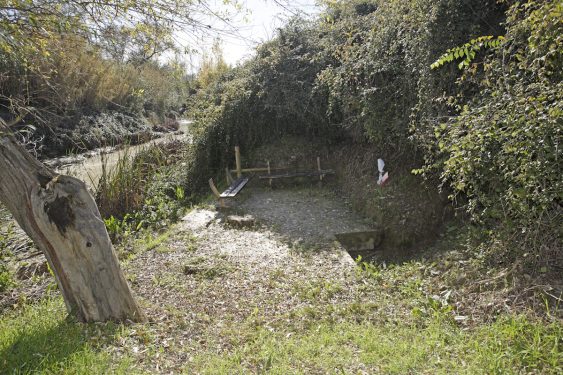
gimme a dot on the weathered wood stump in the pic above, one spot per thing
(61, 217)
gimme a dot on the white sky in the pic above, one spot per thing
(254, 26)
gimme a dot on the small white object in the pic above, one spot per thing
(380, 165)
(383, 176)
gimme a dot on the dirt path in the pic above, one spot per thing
(209, 279)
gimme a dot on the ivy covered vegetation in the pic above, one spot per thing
(465, 93)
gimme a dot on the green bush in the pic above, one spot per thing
(486, 131)
(140, 191)
(503, 150)
(270, 96)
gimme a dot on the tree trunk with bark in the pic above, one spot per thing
(62, 219)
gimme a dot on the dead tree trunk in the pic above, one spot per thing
(62, 219)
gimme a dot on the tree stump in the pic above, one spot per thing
(61, 217)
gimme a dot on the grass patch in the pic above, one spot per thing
(316, 290)
(206, 268)
(7, 279)
(510, 345)
(40, 339)
(158, 242)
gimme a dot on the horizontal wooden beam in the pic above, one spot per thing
(297, 174)
(265, 169)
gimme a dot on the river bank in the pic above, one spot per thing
(89, 167)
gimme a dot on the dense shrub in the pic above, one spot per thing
(362, 70)
(140, 182)
(109, 128)
(490, 131)
(382, 78)
(503, 150)
(270, 96)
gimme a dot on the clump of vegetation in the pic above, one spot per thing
(77, 94)
(502, 151)
(6, 276)
(140, 191)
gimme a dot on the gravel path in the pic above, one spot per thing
(309, 215)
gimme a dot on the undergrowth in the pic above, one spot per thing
(413, 316)
(510, 345)
(7, 279)
(410, 317)
(140, 192)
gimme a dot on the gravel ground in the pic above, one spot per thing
(309, 215)
(207, 284)
(211, 278)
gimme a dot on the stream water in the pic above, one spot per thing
(88, 167)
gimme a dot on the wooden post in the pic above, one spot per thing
(237, 160)
(228, 176)
(269, 173)
(319, 168)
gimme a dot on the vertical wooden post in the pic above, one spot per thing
(319, 168)
(228, 176)
(269, 173)
(237, 160)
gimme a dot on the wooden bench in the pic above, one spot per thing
(232, 191)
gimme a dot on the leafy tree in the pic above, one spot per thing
(212, 66)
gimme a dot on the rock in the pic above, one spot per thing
(237, 221)
(198, 219)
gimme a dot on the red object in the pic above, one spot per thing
(384, 179)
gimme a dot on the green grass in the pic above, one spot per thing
(510, 345)
(41, 339)
(400, 320)
(398, 329)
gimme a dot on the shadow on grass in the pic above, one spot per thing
(41, 341)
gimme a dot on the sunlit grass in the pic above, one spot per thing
(41, 339)
(510, 345)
